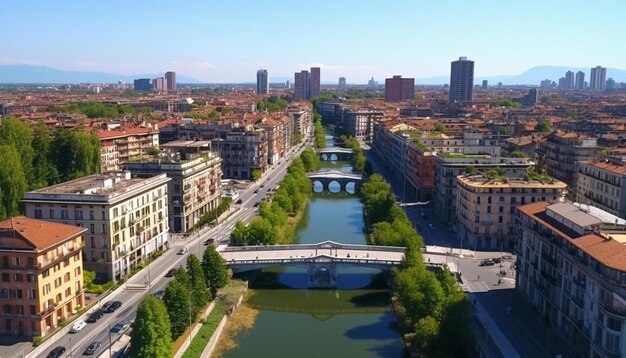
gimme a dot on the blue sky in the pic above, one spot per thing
(227, 41)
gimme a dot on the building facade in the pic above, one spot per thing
(603, 185)
(342, 84)
(195, 187)
(159, 85)
(262, 82)
(461, 80)
(243, 152)
(316, 78)
(126, 219)
(485, 208)
(170, 81)
(120, 146)
(571, 267)
(302, 85)
(142, 84)
(359, 124)
(42, 275)
(399, 89)
(579, 81)
(597, 80)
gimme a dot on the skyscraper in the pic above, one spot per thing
(142, 84)
(315, 89)
(485, 84)
(158, 84)
(342, 83)
(598, 78)
(301, 85)
(569, 80)
(461, 80)
(580, 80)
(399, 89)
(307, 84)
(262, 82)
(170, 81)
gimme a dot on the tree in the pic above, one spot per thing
(199, 288)
(19, 134)
(426, 330)
(439, 127)
(215, 270)
(261, 232)
(12, 180)
(44, 171)
(148, 340)
(310, 160)
(519, 154)
(543, 126)
(177, 299)
(239, 235)
(76, 153)
(153, 151)
(256, 174)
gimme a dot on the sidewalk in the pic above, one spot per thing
(498, 337)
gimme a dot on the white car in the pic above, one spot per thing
(183, 250)
(78, 326)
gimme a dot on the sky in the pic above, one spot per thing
(228, 40)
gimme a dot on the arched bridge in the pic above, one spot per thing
(321, 259)
(338, 152)
(343, 179)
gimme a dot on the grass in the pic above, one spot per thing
(206, 331)
(241, 320)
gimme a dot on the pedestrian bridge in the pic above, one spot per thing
(336, 153)
(321, 259)
(343, 179)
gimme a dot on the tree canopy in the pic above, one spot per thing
(148, 340)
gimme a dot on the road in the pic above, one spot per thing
(138, 286)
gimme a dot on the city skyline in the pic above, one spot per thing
(387, 39)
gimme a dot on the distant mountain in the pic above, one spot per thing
(532, 76)
(43, 74)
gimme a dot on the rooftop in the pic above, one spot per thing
(615, 168)
(40, 234)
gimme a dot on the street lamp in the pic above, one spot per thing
(70, 347)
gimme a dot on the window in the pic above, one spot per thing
(91, 216)
(19, 277)
(613, 324)
(612, 342)
(18, 293)
(104, 228)
(4, 293)
(38, 214)
(30, 277)
(51, 213)
(18, 261)
(6, 277)
(32, 294)
(64, 214)
(79, 214)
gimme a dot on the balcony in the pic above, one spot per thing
(580, 283)
(615, 306)
(551, 259)
(47, 263)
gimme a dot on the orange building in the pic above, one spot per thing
(41, 272)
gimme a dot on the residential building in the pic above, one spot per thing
(342, 84)
(243, 151)
(302, 120)
(359, 123)
(485, 207)
(461, 80)
(597, 79)
(127, 219)
(170, 81)
(610, 84)
(42, 275)
(450, 166)
(158, 85)
(142, 84)
(571, 267)
(262, 82)
(603, 185)
(485, 84)
(302, 85)
(315, 82)
(560, 153)
(531, 98)
(579, 81)
(399, 89)
(122, 145)
(569, 80)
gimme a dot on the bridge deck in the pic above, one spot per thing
(309, 253)
(335, 150)
(334, 174)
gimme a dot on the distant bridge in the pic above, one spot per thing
(337, 152)
(321, 259)
(343, 179)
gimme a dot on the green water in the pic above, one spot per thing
(353, 320)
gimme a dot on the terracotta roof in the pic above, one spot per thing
(609, 252)
(41, 234)
(126, 132)
(610, 167)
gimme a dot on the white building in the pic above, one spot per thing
(126, 219)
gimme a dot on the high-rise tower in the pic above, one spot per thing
(461, 80)
(262, 82)
(598, 78)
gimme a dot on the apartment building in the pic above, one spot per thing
(195, 186)
(561, 152)
(450, 166)
(485, 207)
(126, 219)
(603, 185)
(122, 145)
(302, 120)
(359, 123)
(42, 275)
(571, 267)
(243, 151)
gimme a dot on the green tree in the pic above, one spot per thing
(440, 127)
(45, 173)
(239, 235)
(426, 331)
(519, 154)
(153, 151)
(20, 135)
(177, 299)
(215, 270)
(12, 180)
(199, 288)
(543, 126)
(256, 174)
(76, 153)
(261, 232)
(310, 160)
(147, 335)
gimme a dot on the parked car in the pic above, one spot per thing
(257, 204)
(171, 273)
(56, 352)
(256, 191)
(208, 242)
(111, 306)
(486, 262)
(93, 347)
(77, 326)
(159, 294)
(496, 260)
(183, 250)
(95, 316)
(120, 327)
(238, 201)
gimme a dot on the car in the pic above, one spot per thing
(257, 204)
(93, 347)
(487, 262)
(256, 191)
(208, 242)
(238, 201)
(111, 306)
(497, 260)
(171, 273)
(120, 327)
(159, 294)
(77, 326)
(95, 316)
(56, 352)
(262, 186)
(183, 250)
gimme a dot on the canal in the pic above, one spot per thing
(354, 320)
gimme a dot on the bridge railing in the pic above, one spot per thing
(318, 246)
(308, 260)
